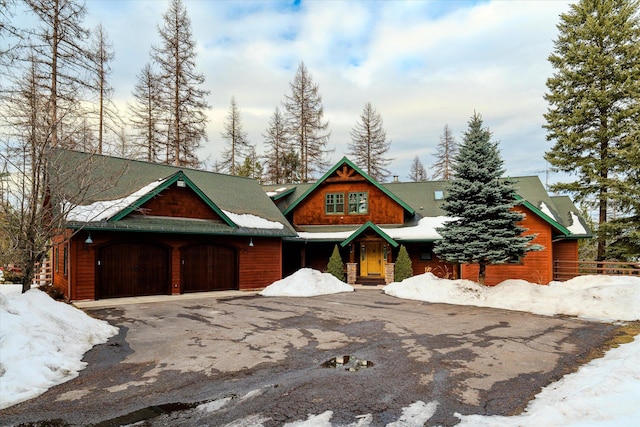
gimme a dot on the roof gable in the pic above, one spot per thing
(175, 178)
(342, 171)
(369, 226)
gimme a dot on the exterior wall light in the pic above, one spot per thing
(250, 242)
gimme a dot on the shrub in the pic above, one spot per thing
(335, 266)
(403, 268)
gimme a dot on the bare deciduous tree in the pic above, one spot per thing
(417, 173)
(275, 139)
(369, 146)
(146, 115)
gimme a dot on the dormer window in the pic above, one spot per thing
(359, 203)
(334, 203)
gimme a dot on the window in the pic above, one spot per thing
(65, 256)
(334, 203)
(358, 203)
(426, 253)
(438, 194)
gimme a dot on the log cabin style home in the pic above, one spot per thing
(369, 221)
(135, 228)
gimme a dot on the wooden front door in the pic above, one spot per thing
(371, 260)
(132, 269)
(208, 267)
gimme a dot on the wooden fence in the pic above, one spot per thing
(43, 273)
(565, 270)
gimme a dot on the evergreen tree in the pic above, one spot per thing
(251, 168)
(369, 146)
(403, 268)
(306, 129)
(446, 152)
(237, 140)
(336, 266)
(417, 173)
(275, 139)
(182, 92)
(594, 105)
(147, 115)
(484, 229)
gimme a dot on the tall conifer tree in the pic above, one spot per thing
(446, 153)
(484, 229)
(594, 105)
(369, 146)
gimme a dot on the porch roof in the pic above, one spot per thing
(369, 226)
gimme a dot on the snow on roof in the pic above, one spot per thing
(105, 209)
(576, 226)
(424, 230)
(253, 221)
(276, 191)
(545, 209)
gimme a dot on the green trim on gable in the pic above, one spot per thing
(166, 184)
(283, 194)
(358, 170)
(375, 228)
(544, 216)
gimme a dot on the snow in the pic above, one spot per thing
(424, 230)
(253, 221)
(105, 209)
(42, 342)
(306, 282)
(545, 209)
(39, 347)
(576, 226)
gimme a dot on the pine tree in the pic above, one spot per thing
(484, 229)
(251, 168)
(275, 139)
(183, 95)
(417, 173)
(237, 140)
(403, 268)
(147, 115)
(446, 152)
(369, 146)
(336, 266)
(594, 104)
(306, 129)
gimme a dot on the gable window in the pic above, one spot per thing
(334, 203)
(359, 203)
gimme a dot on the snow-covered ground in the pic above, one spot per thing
(42, 343)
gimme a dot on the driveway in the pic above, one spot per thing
(249, 359)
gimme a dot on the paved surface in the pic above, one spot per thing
(243, 359)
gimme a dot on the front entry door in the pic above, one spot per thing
(371, 261)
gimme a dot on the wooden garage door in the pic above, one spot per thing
(208, 267)
(133, 269)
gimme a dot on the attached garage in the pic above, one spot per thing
(129, 269)
(209, 267)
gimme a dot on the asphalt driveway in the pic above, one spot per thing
(249, 359)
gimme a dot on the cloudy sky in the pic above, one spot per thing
(422, 64)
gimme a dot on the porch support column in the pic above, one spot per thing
(352, 269)
(389, 272)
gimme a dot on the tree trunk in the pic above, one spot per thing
(482, 272)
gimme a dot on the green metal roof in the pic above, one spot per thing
(330, 172)
(84, 178)
(369, 226)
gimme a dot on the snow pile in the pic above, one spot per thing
(42, 342)
(253, 221)
(105, 209)
(604, 392)
(306, 282)
(596, 297)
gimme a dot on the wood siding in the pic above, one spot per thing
(258, 266)
(179, 202)
(382, 208)
(419, 251)
(535, 267)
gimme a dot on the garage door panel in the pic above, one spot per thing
(209, 267)
(133, 269)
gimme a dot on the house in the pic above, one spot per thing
(135, 228)
(369, 221)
